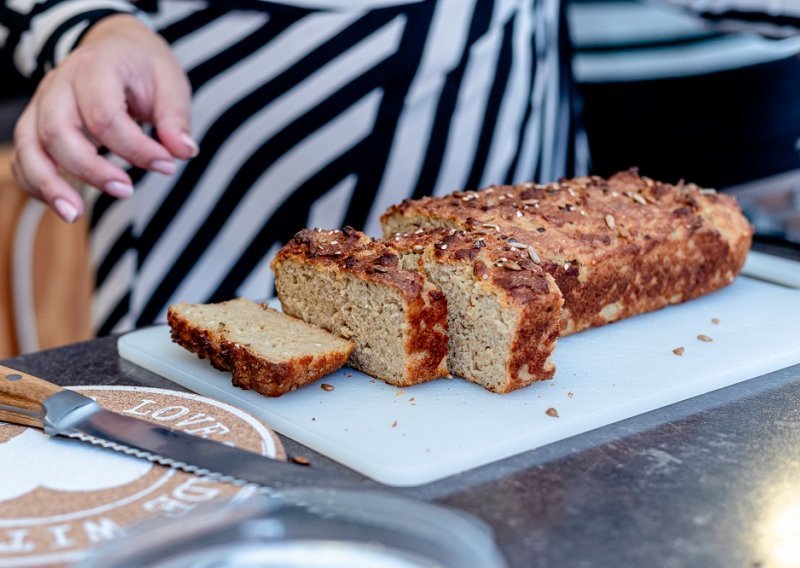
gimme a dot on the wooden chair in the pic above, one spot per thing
(45, 280)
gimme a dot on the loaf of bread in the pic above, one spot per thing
(265, 351)
(355, 287)
(615, 247)
(503, 310)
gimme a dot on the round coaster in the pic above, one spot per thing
(59, 496)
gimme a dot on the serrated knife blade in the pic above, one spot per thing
(31, 401)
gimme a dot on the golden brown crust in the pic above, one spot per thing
(512, 271)
(249, 370)
(615, 247)
(353, 252)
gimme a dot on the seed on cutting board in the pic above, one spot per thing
(678, 351)
(300, 460)
(551, 412)
(326, 387)
(705, 338)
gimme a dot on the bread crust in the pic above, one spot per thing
(615, 247)
(249, 370)
(352, 252)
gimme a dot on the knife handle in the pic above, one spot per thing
(21, 397)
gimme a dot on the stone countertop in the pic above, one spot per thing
(710, 481)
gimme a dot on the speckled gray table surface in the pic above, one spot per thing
(710, 481)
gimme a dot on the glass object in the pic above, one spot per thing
(309, 528)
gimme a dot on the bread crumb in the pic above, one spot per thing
(678, 351)
(570, 395)
(326, 387)
(394, 424)
(715, 321)
(300, 460)
(705, 338)
(552, 412)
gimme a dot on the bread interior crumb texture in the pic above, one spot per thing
(370, 314)
(479, 328)
(265, 331)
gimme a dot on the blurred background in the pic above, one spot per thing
(662, 91)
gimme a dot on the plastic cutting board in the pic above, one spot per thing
(416, 435)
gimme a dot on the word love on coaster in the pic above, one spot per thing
(62, 496)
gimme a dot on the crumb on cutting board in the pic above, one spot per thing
(679, 351)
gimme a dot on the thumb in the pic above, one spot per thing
(171, 113)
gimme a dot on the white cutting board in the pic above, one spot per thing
(416, 435)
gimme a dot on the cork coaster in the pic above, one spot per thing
(58, 496)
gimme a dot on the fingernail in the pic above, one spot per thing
(166, 167)
(65, 209)
(191, 144)
(119, 189)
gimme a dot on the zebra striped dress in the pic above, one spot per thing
(314, 113)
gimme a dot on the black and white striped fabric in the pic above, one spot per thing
(316, 113)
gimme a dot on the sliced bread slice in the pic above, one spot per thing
(355, 287)
(503, 308)
(265, 351)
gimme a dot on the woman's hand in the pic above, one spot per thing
(120, 73)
